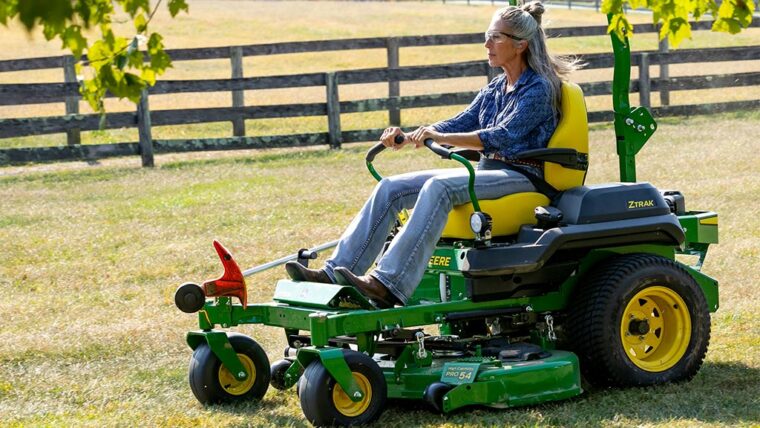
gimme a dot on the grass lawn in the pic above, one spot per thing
(91, 254)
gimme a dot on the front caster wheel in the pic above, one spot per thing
(324, 403)
(212, 383)
(434, 395)
(278, 374)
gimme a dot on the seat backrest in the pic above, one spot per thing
(571, 133)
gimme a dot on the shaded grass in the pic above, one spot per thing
(91, 255)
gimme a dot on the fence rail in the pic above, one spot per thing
(73, 123)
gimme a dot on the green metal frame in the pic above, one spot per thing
(633, 126)
(321, 315)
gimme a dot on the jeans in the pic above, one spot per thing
(432, 194)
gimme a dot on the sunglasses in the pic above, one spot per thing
(500, 37)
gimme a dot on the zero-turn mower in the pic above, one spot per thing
(550, 285)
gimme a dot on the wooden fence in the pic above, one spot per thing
(74, 123)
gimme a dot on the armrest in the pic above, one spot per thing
(568, 158)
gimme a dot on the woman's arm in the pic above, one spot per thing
(465, 140)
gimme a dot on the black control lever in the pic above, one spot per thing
(379, 147)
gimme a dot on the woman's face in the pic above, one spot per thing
(503, 48)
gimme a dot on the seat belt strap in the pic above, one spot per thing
(538, 182)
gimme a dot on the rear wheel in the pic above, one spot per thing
(640, 320)
(212, 383)
(324, 403)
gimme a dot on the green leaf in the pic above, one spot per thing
(176, 5)
(702, 7)
(635, 4)
(726, 25)
(6, 11)
(108, 36)
(679, 30)
(140, 23)
(132, 7)
(120, 61)
(149, 76)
(159, 60)
(620, 26)
(98, 53)
(93, 91)
(136, 58)
(740, 10)
(133, 86)
(53, 14)
(612, 6)
(73, 40)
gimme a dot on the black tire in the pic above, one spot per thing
(189, 298)
(278, 374)
(211, 383)
(626, 323)
(318, 393)
(434, 395)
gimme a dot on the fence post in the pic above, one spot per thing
(73, 136)
(394, 87)
(333, 110)
(664, 73)
(238, 97)
(143, 129)
(596, 5)
(644, 83)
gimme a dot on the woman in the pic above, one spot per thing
(517, 111)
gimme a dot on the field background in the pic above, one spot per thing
(90, 255)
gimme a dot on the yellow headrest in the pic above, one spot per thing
(572, 133)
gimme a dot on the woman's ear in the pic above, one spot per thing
(522, 46)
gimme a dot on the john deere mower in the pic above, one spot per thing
(527, 293)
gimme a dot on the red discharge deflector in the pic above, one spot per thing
(232, 283)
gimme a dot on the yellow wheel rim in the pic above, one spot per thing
(231, 384)
(655, 329)
(344, 405)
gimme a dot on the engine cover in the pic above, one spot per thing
(610, 202)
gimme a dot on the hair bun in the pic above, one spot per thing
(535, 9)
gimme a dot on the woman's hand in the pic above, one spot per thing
(419, 135)
(389, 136)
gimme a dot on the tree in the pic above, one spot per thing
(673, 15)
(118, 65)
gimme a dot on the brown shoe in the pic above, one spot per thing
(299, 272)
(370, 286)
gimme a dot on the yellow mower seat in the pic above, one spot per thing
(512, 211)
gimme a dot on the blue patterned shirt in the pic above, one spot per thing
(508, 122)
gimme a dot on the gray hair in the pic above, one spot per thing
(525, 22)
